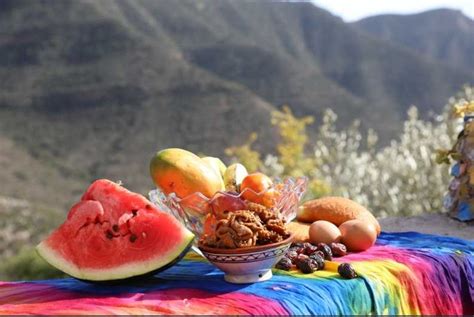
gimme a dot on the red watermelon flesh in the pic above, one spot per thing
(113, 233)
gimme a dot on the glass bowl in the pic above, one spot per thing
(192, 210)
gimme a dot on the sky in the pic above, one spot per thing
(352, 10)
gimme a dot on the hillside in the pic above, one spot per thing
(93, 88)
(444, 35)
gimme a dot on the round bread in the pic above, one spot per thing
(300, 230)
(336, 210)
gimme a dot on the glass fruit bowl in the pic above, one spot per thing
(193, 209)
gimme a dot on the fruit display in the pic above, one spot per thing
(336, 210)
(113, 234)
(242, 225)
(308, 258)
(227, 207)
(183, 173)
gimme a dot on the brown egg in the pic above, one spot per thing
(358, 235)
(324, 231)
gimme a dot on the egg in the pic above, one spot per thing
(358, 235)
(324, 231)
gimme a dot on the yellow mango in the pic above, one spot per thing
(184, 173)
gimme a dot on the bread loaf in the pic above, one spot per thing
(336, 210)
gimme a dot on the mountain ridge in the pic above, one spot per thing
(93, 88)
(451, 42)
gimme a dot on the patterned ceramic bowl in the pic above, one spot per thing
(247, 265)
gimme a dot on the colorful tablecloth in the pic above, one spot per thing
(405, 273)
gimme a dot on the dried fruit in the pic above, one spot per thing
(310, 249)
(300, 258)
(346, 271)
(320, 253)
(307, 265)
(318, 259)
(338, 249)
(284, 264)
(297, 245)
(326, 250)
(292, 255)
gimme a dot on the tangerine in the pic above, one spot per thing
(254, 187)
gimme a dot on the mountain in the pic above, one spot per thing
(443, 34)
(93, 88)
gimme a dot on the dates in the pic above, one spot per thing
(346, 271)
(323, 247)
(309, 258)
(284, 264)
(307, 265)
(292, 254)
(318, 259)
(338, 249)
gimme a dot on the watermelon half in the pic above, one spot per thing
(114, 234)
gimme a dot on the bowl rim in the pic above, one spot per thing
(297, 182)
(246, 250)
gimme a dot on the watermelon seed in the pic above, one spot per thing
(133, 238)
(148, 206)
(115, 228)
(109, 235)
(134, 212)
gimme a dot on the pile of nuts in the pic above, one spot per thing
(257, 225)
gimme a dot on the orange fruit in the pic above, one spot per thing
(269, 198)
(254, 187)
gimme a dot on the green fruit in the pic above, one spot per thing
(234, 176)
(216, 164)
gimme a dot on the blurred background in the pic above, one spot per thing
(357, 95)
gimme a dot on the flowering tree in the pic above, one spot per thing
(401, 178)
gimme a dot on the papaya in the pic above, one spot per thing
(336, 210)
(182, 172)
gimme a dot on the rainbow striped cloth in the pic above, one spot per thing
(405, 273)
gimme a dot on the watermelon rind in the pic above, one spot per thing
(119, 272)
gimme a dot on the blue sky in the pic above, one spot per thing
(352, 10)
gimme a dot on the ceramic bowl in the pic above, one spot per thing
(247, 265)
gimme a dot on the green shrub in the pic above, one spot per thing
(27, 265)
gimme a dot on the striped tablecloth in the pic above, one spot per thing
(405, 273)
